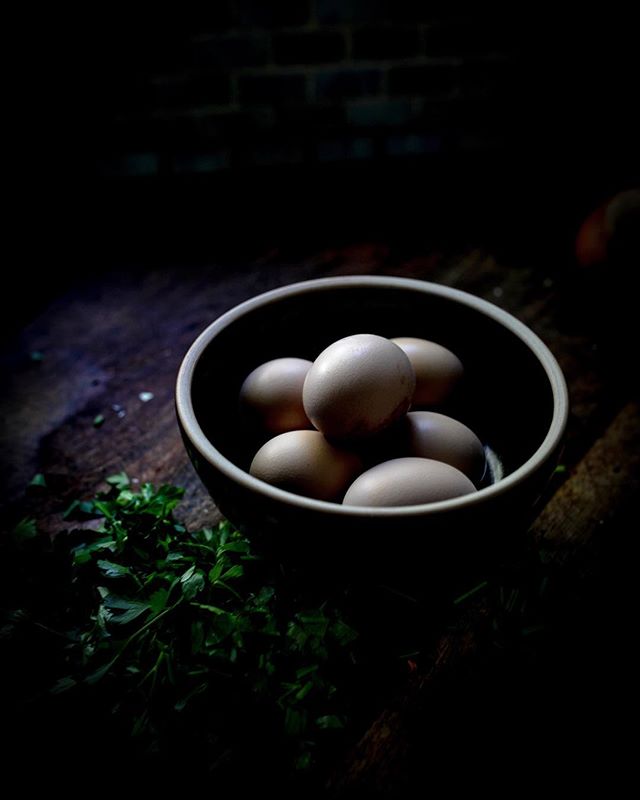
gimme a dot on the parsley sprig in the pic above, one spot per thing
(193, 641)
(166, 622)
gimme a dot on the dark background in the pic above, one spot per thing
(163, 169)
(147, 136)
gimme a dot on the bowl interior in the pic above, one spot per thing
(506, 396)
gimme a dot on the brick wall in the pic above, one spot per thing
(300, 82)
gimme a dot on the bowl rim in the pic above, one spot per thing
(195, 434)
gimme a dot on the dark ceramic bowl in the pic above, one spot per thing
(513, 396)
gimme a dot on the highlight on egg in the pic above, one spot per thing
(357, 394)
(271, 395)
(406, 482)
(428, 434)
(438, 371)
(304, 462)
(357, 386)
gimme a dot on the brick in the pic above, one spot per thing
(129, 96)
(137, 135)
(419, 10)
(198, 163)
(314, 118)
(488, 79)
(344, 83)
(481, 140)
(380, 113)
(345, 149)
(428, 80)
(179, 91)
(313, 47)
(377, 11)
(386, 41)
(134, 133)
(271, 14)
(413, 144)
(386, 11)
(222, 15)
(218, 16)
(206, 131)
(162, 50)
(336, 11)
(219, 127)
(272, 88)
(467, 111)
(441, 114)
(260, 118)
(131, 165)
(468, 36)
(228, 124)
(277, 153)
(246, 50)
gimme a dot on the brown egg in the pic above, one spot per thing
(436, 436)
(304, 462)
(437, 369)
(271, 395)
(357, 386)
(407, 482)
(611, 228)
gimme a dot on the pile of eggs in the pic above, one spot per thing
(342, 429)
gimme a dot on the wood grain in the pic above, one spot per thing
(118, 334)
(569, 529)
(125, 333)
(600, 484)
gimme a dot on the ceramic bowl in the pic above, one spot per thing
(513, 396)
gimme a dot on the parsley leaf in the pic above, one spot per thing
(165, 621)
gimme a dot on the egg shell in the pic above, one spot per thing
(357, 386)
(407, 482)
(438, 370)
(432, 435)
(271, 395)
(304, 462)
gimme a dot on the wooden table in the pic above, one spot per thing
(117, 335)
